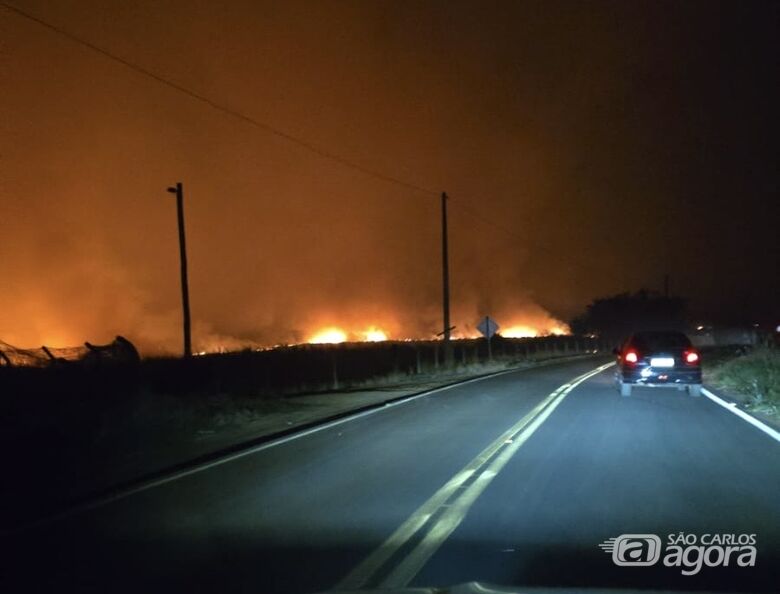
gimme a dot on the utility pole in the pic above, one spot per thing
(185, 291)
(445, 267)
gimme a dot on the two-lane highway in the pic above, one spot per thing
(659, 463)
(513, 480)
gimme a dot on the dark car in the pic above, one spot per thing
(658, 359)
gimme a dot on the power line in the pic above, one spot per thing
(305, 144)
(486, 221)
(218, 106)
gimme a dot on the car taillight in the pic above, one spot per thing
(631, 357)
(691, 357)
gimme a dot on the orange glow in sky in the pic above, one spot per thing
(322, 240)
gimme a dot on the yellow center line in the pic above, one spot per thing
(483, 468)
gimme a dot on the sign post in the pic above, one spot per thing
(488, 328)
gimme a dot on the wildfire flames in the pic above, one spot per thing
(328, 336)
(336, 334)
(354, 325)
(521, 331)
(375, 335)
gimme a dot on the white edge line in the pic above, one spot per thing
(378, 407)
(731, 407)
(253, 450)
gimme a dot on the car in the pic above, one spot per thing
(658, 359)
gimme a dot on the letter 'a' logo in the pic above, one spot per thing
(633, 550)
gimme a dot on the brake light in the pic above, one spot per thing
(691, 357)
(631, 357)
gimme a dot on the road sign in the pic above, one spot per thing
(488, 327)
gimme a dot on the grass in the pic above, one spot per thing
(755, 377)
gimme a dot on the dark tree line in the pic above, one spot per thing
(617, 316)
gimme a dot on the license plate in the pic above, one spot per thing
(662, 362)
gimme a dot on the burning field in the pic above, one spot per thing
(160, 333)
(284, 247)
(523, 328)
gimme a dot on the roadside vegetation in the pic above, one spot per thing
(753, 377)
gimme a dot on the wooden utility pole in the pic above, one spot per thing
(445, 267)
(185, 291)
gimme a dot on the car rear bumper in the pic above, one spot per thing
(660, 377)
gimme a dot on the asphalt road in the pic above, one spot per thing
(512, 480)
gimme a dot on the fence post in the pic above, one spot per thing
(335, 371)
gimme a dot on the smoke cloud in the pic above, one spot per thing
(502, 109)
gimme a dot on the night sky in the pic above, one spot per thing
(589, 148)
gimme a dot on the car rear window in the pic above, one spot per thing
(653, 341)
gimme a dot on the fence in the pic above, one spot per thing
(279, 371)
(342, 366)
(120, 351)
